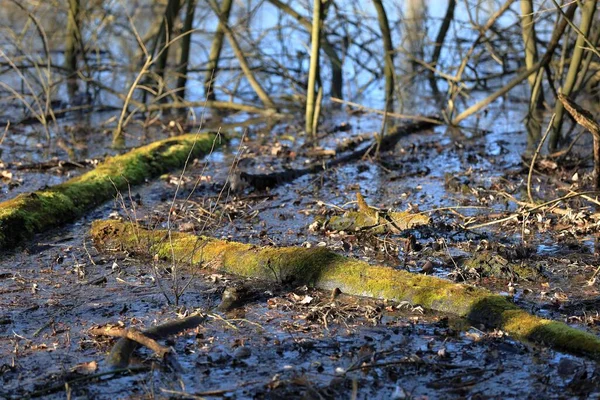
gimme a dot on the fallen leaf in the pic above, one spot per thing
(86, 368)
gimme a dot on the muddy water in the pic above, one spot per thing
(282, 345)
(285, 344)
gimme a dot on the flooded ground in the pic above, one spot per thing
(290, 342)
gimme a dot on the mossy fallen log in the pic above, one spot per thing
(374, 220)
(322, 268)
(30, 213)
(390, 221)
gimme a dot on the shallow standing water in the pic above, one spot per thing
(293, 341)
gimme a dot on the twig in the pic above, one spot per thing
(209, 393)
(219, 318)
(53, 319)
(553, 209)
(537, 151)
(541, 206)
(132, 334)
(389, 114)
(409, 361)
(592, 280)
(5, 132)
(60, 386)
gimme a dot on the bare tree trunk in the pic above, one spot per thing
(414, 28)
(588, 59)
(439, 42)
(313, 69)
(337, 78)
(533, 121)
(165, 35)
(587, 15)
(71, 46)
(529, 37)
(184, 61)
(239, 54)
(441, 36)
(215, 51)
(388, 50)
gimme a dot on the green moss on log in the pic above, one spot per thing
(392, 221)
(35, 212)
(325, 269)
(376, 221)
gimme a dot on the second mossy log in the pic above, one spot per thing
(322, 268)
(30, 213)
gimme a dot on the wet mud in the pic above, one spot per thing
(294, 342)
